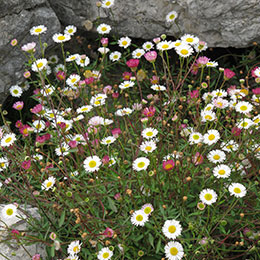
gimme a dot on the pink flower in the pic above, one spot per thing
(253, 72)
(236, 131)
(117, 196)
(24, 130)
(29, 47)
(95, 142)
(61, 75)
(14, 42)
(8, 180)
(18, 124)
(194, 94)
(107, 89)
(202, 61)
(116, 132)
(26, 164)
(127, 75)
(18, 105)
(105, 159)
(27, 74)
(43, 138)
(89, 80)
(82, 83)
(96, 120)
(195, 69)
(228, 74)
(133, 64)
(149, 112)
(104, 42)
(154, 80)
(52, 236)
(108, 232)
(151, 56)
(231, 89)
(156, 40)
(197, 159)
(62, 125)
(115, 95)
(36, 109)
(256, 91)
(168, 165)
(36, 257)
(73, 143)
(15, 232)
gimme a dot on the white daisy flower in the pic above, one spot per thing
(211, 137)
(126, 84)
(37, 30)
(256, 119)
(72, 57)
(147, 46)
(126, 111)
(83, 61)
(212, 64)
(220, 103)
(219, 93)
(208, 107)
(112, 161)
(84, 109)
(49, 183)
(177, 43)
(207, 116)
(149, 133)
(103, 50)
(3, 163)
(9, 212)
(208, 196)
(216, 156)
(138, 53)
(238, 190)
(70, 29)
(195, 138)
(257, 72)
(108, 122)
(59, 67)
(124, 42)
(37, 157)
(141, 163)
(39, 65)
(165, 45)
(38, 125)
(98, 100)
(103, 28)
(147, 208)
(115, 56)
(92, 163)
(108, 140)
(16, 91)
(72, 80)
(245, 123)
(47, 90)
(243, 107)
(107, 3)
(184, 50)
(190, 39)
(255, 100)
(139, 218)
(158, 87)
(62, 150)
(171, 16)
(74, 247)
(229, 146)
(221, 171)
(59, 37)
(148, 146)
(173, 250)
(8, 139)
(171, 228)
(53, 59)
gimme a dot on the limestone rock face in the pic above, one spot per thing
(17, 17)
(11, 249)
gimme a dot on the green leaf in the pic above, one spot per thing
(112, 204)
(62, 218)
(151, 240)
(158, 246)
(52, 251)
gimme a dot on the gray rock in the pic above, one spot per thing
(10, 248)
(16, 20)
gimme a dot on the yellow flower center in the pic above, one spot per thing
(244, 124)
(172, 16)
(92, 164)
(140, 164)
(84, 109)
(257, 121)
(108, 3)
(208, 196)
(38, 30)
(174, 251)
(184, 52)
(211, 137)
(97, 102)
(168, 166)
(124, 43)
(189, 40)
(149, 133)
(237, 190)
(165, 46)
(147, 210)
(243, 108)
(73, 80)
(40, 64)
(148, 148)
(70, 31)
(8, 140)
(75, 249)
(9, 212)
(221, 172)
(196, 137)
(172, 229)
(15, 91)
(108, 141)
(216, 157)
(177, 44)
(103, 29)
(229, 146)
(139, 218)
(2, 165)
(48, 184)
(61, 38)
(115, 56)
(208, 117)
